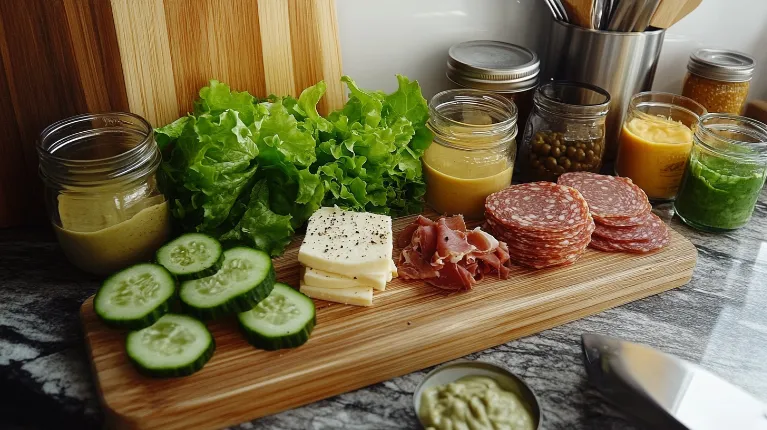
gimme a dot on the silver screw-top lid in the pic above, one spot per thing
(721, 65)
(493, 66)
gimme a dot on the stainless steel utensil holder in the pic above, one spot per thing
(621, 63)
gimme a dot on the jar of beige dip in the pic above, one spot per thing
(101, 192)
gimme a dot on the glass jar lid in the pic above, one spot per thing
(721, 65)
(493, 66)
(572, 100)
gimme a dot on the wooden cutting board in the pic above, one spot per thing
(59, 58)
(409, 327)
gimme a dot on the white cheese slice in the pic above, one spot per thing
(359, 296)
(394, 273)
(320, 278)
(348, 243)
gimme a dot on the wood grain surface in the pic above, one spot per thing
(409, 327)
(60, 58)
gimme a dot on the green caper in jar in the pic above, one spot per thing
(551, 155)
(551, 163)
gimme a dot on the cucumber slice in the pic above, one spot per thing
(246, 278)
(285, 319)
(191, 256)
(135, 297)
(175, 345)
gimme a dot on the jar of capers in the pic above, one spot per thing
(565, 132)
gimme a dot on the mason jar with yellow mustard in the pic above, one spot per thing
(473, 152)
(655, 142)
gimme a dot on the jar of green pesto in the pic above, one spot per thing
(725, 173)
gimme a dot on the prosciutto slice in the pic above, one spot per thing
(447, 255)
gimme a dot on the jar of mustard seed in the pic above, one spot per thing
(719, 79)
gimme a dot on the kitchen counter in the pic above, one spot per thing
(717, 320)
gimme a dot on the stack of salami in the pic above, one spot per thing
(624, 221)
(543, 223)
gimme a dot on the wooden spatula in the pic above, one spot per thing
(666, 14)
(579, 12)
(688, 7)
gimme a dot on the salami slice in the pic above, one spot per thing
(650, 229)
(543, 263)
(579, 242)
(520, 235)
(651, 245)
(624, 221)
(538, 207)
(608, 196)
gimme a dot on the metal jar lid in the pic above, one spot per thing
(493, 66)
(721, 65)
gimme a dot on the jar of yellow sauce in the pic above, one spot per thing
(719, 79)
(473, 152)
(101, 193)
(655, 142)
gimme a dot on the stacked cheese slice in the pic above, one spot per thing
(346, 255)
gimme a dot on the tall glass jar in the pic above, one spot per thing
(473, 152)
(565, 132)
(509, 70)
(725, 173)
(719, 80)
(101, 193)
(655, 142)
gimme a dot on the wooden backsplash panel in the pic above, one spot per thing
(65, 57)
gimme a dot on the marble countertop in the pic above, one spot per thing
(717, 320)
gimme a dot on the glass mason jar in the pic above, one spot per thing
(655, 142)
(719, 80)
(473, 152)
(503, 68)
(565, 132)
(100, 190)
(725, 173)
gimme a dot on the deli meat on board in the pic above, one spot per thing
(651, 228)
(622, 213)
(544, 224)
(447, 255)
(608, 196)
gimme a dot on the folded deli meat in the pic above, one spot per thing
(447, 255)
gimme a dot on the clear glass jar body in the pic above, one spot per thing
(725, 173)
(716, 96)
(473, 151)
(522, 99)
(101, 192)
(655, 142)
(565, 132)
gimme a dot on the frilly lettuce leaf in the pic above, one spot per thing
(252, 171)
(258, 226)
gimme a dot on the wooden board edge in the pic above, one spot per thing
(115, 419)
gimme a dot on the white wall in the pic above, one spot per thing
(380, 38)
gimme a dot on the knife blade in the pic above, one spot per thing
(666, 392)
